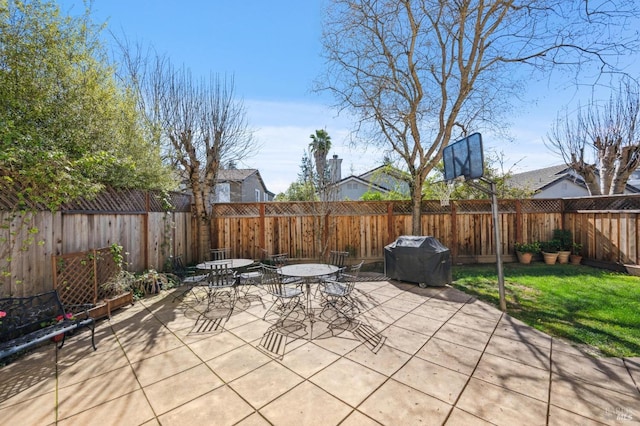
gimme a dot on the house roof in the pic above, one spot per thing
(537, 180)
(240, 175)
(362, 181)
(540, 179)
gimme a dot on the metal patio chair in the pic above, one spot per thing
(337, 294)
(287, 297)
(188, 276)
(222, 281)
(221, 253)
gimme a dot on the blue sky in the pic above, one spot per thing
(272, 47)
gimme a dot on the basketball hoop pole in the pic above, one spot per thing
(496, 233)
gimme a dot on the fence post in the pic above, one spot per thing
(519, 222)
(391, 235)
(262, 238)
(454, 232)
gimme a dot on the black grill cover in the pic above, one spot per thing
(418, 259)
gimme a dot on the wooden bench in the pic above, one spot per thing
(28, 321)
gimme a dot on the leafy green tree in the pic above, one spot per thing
(303, 189)
(320, 146)
(66, 127)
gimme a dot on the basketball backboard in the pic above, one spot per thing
(464, 158)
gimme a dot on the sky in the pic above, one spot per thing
(273, 50)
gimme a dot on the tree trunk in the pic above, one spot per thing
(416, 209)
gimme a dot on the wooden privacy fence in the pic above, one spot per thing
(606, 226)
(137, 220)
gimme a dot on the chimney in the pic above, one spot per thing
(335, 168)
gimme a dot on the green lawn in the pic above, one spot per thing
(585, 305)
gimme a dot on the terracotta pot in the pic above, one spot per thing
(524, 257)
(563, 256)
(575, 259)
(550, 258)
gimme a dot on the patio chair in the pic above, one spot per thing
(222, 281)
(220, 253)
(338, 294)
(287, 298)
(188, 276)
(280, 259)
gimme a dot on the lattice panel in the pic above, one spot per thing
(106, 269)
(237, 210)
(74, 278)
(542, 205)
(618, 202)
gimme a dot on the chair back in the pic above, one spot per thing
(220, 253)
(177, 266)
(272, 281)
(280, 259)
(338, 258)
(221, 276)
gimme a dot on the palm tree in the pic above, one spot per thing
(320, 146)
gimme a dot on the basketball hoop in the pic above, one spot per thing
(444, 189)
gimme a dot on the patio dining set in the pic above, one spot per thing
(300, 294)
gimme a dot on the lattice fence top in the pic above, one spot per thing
(614, 202)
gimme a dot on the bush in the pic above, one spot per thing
(533, 247)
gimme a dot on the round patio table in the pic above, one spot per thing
(233, 263)
(309, 272)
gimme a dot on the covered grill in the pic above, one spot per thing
(419, 259)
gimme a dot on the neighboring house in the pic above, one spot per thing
(383, 179)
(555, 182)
(241, 186)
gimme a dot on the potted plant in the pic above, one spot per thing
(550, 251)
(525, 251)
(565, 239)
(576, 256)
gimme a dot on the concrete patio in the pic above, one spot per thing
(428, 356)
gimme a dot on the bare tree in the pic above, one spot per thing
(199, 124)
(602, 143)
(417, 73)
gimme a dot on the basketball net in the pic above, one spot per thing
(444, 190)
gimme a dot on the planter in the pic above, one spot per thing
(550, 258)
(57, 338)
(575, 259)
(563, 256)
(633, 269)
(524, 257)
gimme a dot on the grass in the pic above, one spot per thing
(582, 304)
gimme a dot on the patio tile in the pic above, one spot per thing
(398, 404)
(153, 369)
(535, 356)
(401, 304)
(28, 377)
(151, 346)
(594, 371)
(594, 402)
(512, 328)
(429, 310)
(348, 381)
(306, 404)
(74, 370)
(181, 388)
(633, 366)
(473, 322)
(405, 340)
(450, 355)
(527, 380)
(221, 406)
(501, 406)
(462, 418)
(483, 310)
(265, 384)
(255, 419)
(128, 409)
(252, 331)
(341, 345)
(215, 345)
(473, 339)
(419, 324)
(38, 410)
(387, 361)
(581, 350)
(95, 391)
(560, 417)
(308, 359)
(385, 315)
(238, 362)
(432, 379)
(356, 418)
